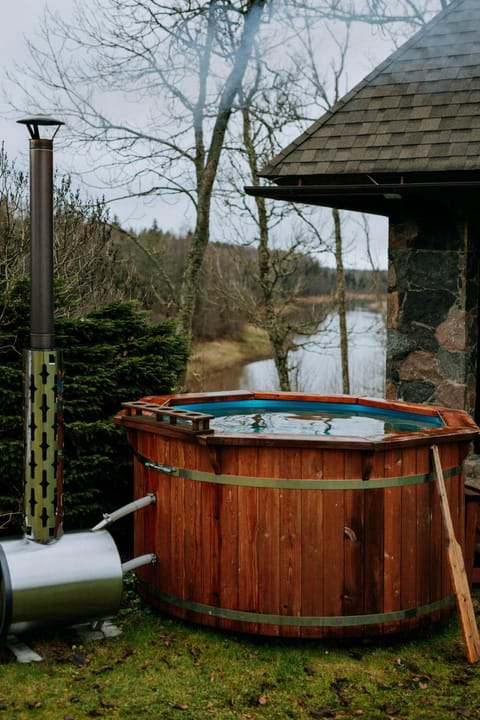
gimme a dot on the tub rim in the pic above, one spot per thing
(456, 423)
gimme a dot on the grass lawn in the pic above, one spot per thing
(163, 669)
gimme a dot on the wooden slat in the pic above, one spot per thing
(290, 547)
(354, 545)
(422, 538)
(176, 539)
(313, 571)
(408, 521)
(248, 560)
(192, 510)
(334, 532)
(228, 560)
(268, 541)
(392, 510)
(438, 587)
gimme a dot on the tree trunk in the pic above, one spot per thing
(280, 358)
(341, 302)
(206, 177)
(265, 270)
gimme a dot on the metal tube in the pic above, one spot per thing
(41, 253)
(109, 518)
(43, 364)
(139, 561)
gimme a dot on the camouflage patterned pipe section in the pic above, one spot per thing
(43, 444)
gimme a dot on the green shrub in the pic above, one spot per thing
(110, 356)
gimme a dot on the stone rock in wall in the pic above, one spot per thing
(418, 391)
(419, 365)
(427, 307)
(398, 344)
(432, 270)
(450, 394)
(471, 468)
(452, 365)
(451, 332)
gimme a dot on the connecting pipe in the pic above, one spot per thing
(134, 563)
(109, 518)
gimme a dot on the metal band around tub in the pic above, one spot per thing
(291, 483)
(296, 620)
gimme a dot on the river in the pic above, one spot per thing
(317, 365)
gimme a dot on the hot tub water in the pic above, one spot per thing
(309, 418)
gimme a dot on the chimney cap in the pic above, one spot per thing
(36, 121)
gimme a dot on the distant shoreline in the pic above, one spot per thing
(210, 358)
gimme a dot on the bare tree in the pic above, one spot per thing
(184, 64)
(149, 87)
(14, 226)
(90, 269)
(87, 263)
(275, 304)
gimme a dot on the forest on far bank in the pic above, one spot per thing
(229, 291)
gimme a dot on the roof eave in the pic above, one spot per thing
(378, 199)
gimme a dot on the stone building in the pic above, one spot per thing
(405, 143)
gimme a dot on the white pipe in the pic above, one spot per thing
(109, 518)
(134, 563)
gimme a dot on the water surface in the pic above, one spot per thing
(309, 418)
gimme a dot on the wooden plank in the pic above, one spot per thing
(268, 540)
(248, 560)
(457, 569)
(206, 591)
(228, 561)
(148, 517)
(192, 513)
(408, 520)
(333, 532)
(354, 540)
(374, 542)
(392, 550)
(439, 587)
(174, 548)
(424, 568)
(313, 571)
(290, 547)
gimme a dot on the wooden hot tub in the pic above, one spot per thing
(308, 534)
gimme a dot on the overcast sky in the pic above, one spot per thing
(18, 21)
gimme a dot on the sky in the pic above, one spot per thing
(18, 22)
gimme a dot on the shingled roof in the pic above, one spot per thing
(415, 117)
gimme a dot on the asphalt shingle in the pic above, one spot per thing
(416, 112)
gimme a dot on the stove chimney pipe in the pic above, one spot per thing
(43, 363)
(47, 577)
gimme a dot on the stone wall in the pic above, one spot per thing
(432, 320)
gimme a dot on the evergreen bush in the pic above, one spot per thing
(110, 356)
